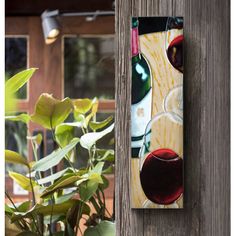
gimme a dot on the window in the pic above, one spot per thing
(89, 67)
(16, 59)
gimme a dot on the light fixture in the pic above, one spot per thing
(51, 27)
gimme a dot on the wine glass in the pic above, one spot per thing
(161, 169)
(173, 102)
(174, 42)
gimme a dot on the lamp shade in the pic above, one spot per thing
(50, 26)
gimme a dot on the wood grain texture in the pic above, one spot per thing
(206, 120)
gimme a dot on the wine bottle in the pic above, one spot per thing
(141, 92)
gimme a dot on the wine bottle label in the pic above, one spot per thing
(140, 116)
(135, 50)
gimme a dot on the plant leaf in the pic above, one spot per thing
(93, 111)
(87, 189)
(50, 112)
(23, 181)
(15, 158)
(55, 157)
(99, 125)
(52, 177)
(37, 139)
(82, 106)
(89, 139)
(23, 207)
(9, 209)
(47, 210)
(105, 155)
(65, 132)
(108, 170)
(25, 118)
(65, 182)
(104, 228)
(64, 197)
(105, 183)
(17, 81)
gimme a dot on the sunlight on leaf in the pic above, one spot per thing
(16, 158)
(65, 132)
(25, 118)
(55, 157)
(82, 106)
(23, 181)
(50, 112)
(89, 139)
(99, 125)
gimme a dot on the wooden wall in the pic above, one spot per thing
(206, 125)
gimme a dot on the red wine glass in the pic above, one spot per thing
(161, 169)
(174, 42)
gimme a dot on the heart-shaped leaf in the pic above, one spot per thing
(50, 112)
(15, 158)
(89, 139)
(65, 132)
(82, 106)
(104, 228)
(23, 181)
(25, 118)
(55, 157)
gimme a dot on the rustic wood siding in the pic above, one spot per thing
(206, 120)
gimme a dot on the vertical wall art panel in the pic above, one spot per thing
(157, 112)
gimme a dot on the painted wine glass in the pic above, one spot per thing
(174, 42)
(161, 168)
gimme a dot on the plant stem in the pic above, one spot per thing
(66, 156)
(78, 219)
(13, 204)
(32, 188)
(50, 225)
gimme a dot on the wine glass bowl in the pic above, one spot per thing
(161, 168)
(174, 42)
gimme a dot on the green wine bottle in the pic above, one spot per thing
(141, 93)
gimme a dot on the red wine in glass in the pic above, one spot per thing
(161, 176)
(175, 52)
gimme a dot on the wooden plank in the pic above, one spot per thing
(207, 114)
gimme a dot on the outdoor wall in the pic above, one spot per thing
(206, 120)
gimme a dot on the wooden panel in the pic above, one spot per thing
(16, 26)
(79, 25)
(207, 114)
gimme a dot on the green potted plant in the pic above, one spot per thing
(54, 207)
